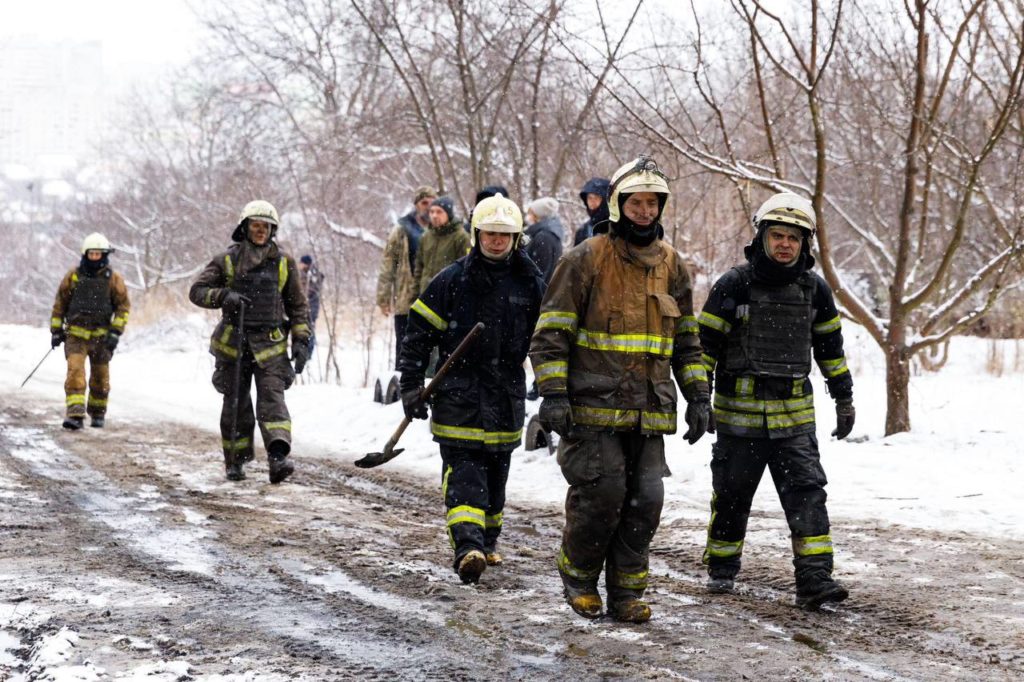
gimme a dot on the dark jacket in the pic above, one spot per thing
(480, 403)
(597, 222)
(545, 245)
(760, 405)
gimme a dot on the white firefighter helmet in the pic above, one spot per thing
(259, 209)
(639, 175)
(788, 209)
(497, 214)
(96, 242)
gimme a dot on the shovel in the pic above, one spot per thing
(375, 459)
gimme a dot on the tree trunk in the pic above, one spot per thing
(897, 384)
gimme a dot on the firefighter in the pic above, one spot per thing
(478, 410)
(258, 282)
(761, 325)
(89, 315)
(616, 323)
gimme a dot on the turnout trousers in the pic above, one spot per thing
(612, 508)
(272, 379)
(473, 483)
(76, 350)
(737, 466)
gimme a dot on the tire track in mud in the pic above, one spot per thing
(345, 573)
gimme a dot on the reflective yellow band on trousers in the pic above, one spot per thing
(466, 514)
(624, 343)
(493, 520)
(603, 416)
(477, 435)
(429, 315)
(631, 581)
(816, 544)
(239, 444)
(275, 426)
(558, 319)
(566, 567)
(75, 399)
(763, 406)
(97, 402)
(723, 548)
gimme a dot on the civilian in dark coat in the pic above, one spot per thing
(546, 234)
(595, 198)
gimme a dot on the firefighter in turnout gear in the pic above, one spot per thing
(616, 324)
(89, 315)
(761, 325)
(478, 410)
(256, 281)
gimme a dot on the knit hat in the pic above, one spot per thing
(447, 204)
(307, 259)
(544, 207)
(422, 192)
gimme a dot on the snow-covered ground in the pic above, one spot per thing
(959, 469)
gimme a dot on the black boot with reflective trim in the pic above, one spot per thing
(235, 472)
(97, 422)
(73, 423)
(812, 596)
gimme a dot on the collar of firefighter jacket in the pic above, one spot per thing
(251, 256)
(649, 256)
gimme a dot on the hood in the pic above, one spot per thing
(595, 186)
(550, 224)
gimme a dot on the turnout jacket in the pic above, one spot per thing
(439, 248)
(396, 286)
(480, 402)
(278, 303)
(758, 337)
(616, 323)
(90, 305)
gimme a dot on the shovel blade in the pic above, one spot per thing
(375, 459)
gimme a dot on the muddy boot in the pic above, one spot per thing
(810, 597)
(471, 566)
(277, 459)
(720, 582)
(629, 610)
(97, 422)
(582, 596)
(494, 558)
(234, 472)
(73, 423)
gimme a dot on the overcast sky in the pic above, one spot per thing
(138, 36)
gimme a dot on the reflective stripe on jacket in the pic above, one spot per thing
(616, 323)
(762, 406)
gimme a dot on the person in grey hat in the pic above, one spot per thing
(546, 234)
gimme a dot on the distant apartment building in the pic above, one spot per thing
(51, 102)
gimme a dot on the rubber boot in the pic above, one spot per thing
(235, 472)
(471, 566)
(73, 423)
(494, 558)
(720, 582)
(582, 596)
(98, 422)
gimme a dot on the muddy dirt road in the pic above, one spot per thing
(127, 546)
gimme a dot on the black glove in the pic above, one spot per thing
(111, 341)
(845, 416)
(300, 353)
(232, 303)
(415, 407)
(698, 419)
(57, 337)
(556, 414)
